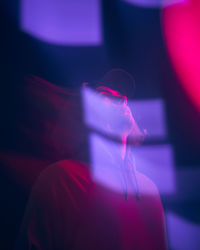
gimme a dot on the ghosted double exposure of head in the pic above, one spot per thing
(106, 107)
(114, 113)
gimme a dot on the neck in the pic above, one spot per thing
(123, 146)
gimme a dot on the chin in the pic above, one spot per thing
(122, 126)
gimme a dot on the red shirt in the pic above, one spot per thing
(68, 210)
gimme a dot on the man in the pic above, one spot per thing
(101, 204)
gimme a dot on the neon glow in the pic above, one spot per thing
(181, 24)
(72, 23)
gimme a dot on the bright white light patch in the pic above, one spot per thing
(61, 22)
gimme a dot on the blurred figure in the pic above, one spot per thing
(105, 204)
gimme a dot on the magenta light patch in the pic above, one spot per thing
(166, 3)
(60, 22)
(181, 31)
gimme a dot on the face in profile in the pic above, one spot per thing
(117, 114)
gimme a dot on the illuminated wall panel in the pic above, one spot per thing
(150, 115)
(182, 234)
(156, 162)
(61, 22)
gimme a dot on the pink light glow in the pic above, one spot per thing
(181, 24)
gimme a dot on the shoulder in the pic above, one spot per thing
(152, 209)
(65, 182)
(149, 193)
(146, 185)
(150, 197)
(63, 169)
(61, 176)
